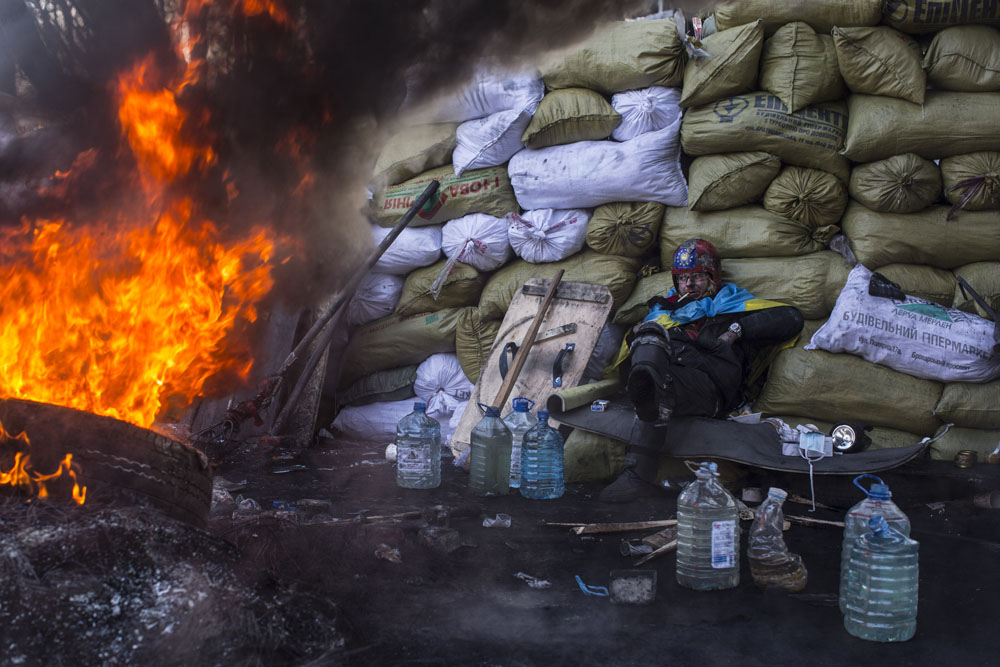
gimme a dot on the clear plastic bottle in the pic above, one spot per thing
(489, 458)
(878, 500)
(418, 450)
(542, 461)
(881, 591)
(771, 564)
(708, 533)
(519, 422)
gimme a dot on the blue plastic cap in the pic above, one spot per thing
(879, 492)
(713, 466)
(522, 404)
(543, 415)
(877, 524)
(419, 406)
(492, 411)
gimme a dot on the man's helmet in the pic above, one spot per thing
(697, 256)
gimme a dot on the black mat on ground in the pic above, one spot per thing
(751, 444)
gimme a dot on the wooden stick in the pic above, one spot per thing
(809, 521)
(669, 546)
(591, 528)
(529, 340)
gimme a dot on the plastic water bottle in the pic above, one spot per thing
(418, 450)
(708, 533)
(771, 564)
(878, 500)
(489, 458)
(519, 422)
(882, 584)
(542, 461)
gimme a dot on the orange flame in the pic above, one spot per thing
(22, 476)
(153, 123)
(117, 325)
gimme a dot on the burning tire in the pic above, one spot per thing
(116, 460)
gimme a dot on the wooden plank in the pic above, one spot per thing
(573, 291)
(535, 380)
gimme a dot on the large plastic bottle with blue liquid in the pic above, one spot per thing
(519, 422)
(418, 450)
(708, 533)
(542, 461)
(878, 500)
(489, 456)
(881, 584)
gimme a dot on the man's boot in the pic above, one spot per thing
(638, 479)
(648, 383)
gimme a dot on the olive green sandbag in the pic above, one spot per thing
(393, 384)
(880, 61)
(627, 229)
(412, 151)
(475, 191)
(972, 179)
(904, 183)
(920, 16)
(800, 67)
(972, 405)
(881, 437)
(620, 56)
(984, 277)
(842, 387)
(731, 67)
(981, 441)
(926, 237)
(396, 341)
(474, 338)
(810, 137)
(591, 457)
(922, 281)
(569, 115)
(946, 124)
(746, 231)
(461, 288)
(811, 196)
(616, 273)
(728, 180)
(964, 58)
(821, 15)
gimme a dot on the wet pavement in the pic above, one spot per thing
(434, 586)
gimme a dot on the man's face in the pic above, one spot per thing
(694, 285)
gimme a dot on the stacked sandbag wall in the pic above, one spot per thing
(809, 138)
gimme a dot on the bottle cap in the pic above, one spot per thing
(419, 406)
(879, 492)
(522, 404)
(492, 411)
(877, 524)
(543, 415)
(777, 494)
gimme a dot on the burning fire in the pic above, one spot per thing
(119, 318)
(21, 476)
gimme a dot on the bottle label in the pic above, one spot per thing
(723, 544)
(413, 459)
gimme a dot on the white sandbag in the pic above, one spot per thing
(493, 88)
(477, 239)
(547, 235)
(375, 422)
(442, 385)
(413, 248)
(591, 173)
(913, 336)
(490, 141)
(376, 297)
(646, 110)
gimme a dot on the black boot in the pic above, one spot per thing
(648, 384)
(638, 479)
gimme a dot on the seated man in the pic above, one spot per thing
(691, 356)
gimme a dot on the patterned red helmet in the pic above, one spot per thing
(697, 256)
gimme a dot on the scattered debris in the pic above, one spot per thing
(533, 582)
(632, 586)
(500, 521)
(666, 548)
(391, 554)
(438, 537)
(591, 528)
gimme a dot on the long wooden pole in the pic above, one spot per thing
(529, 340)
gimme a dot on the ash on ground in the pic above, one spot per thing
(130, 586)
